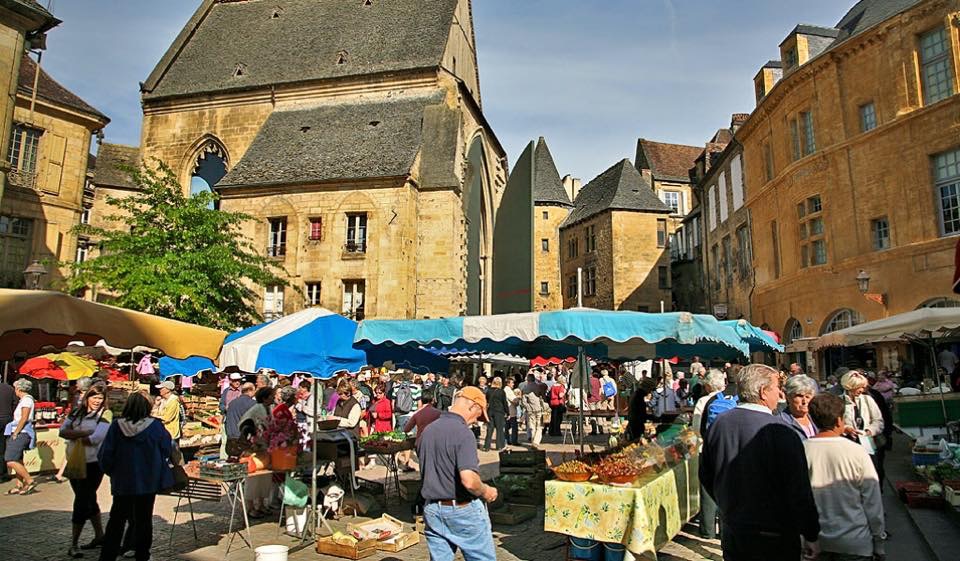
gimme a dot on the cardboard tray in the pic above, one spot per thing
(386, 521)
(362, 549)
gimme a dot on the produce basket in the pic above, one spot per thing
(225, 471)
(574, 477)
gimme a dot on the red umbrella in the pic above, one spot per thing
(42, 367)
(540, 361)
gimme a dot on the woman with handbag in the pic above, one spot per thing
(84, 430)
(136, 454)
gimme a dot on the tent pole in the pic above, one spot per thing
(312, 519)
(936, 373)
(581, 356)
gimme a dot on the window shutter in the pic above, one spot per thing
(55, 149)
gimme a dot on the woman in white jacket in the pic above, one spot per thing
(861, 415)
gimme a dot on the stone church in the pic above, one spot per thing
(352, 132)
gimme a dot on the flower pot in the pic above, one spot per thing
(283, 459)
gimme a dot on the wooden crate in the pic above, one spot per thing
(511, 514)
(401, 542)
(527, 458)
(362, 549)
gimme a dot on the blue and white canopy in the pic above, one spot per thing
(759, 340)
(313, 341)
(609, 334)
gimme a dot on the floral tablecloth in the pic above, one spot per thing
(642, 517)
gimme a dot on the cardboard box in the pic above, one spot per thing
(363, 548)
(399, 538)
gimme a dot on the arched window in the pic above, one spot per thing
(842, 319)
(794, 330)
(942, 302)
(209, 168)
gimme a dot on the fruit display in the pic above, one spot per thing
(344, 539)
(617, 469)
(383, 438)
(573, 470)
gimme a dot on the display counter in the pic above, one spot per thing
(642, 516)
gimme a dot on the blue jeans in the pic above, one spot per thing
(467, 528)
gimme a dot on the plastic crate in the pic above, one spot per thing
(923, 500)
(926, 458)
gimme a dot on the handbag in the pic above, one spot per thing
(76, 461)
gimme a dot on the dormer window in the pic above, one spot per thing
(239, 70)
(342, 57)
(790, 57)
(367, 3)
(277, 12)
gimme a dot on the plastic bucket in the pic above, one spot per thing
(271, 553)
(588, 550)
(613, 552)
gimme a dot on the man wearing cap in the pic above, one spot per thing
(455, 514)
(169, 410)
(231, 392)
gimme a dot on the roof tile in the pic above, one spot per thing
(547, 186)
(667, 161)
(50, 90)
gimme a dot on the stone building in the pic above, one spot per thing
(353, 132)
(667, 168)
(47, 189)
(617, 237)
(107, 179)
(850, 165)
(551, 205)
(23, 25)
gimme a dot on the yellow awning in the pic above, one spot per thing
(31, 319)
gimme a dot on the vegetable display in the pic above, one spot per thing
(383, 438)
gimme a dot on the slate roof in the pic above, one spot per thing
(105, 172)
(667, 161)
(547, 186)
(816, 30)
(621, 187)
(867, 13)
(334, 141)
(302, 43)
(50, 90)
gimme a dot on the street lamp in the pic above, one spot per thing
(33, 273)
(863, 281)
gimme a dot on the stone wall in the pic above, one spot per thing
(547, 263)
(635, 262)
(859, 176)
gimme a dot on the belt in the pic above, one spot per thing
(451, 502)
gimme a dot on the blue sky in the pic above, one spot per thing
(591, 76)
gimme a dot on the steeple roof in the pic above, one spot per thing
(621, 187)
(230, 46)
(547, 186)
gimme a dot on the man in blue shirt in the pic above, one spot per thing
(455, 514)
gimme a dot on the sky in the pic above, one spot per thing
(591, 76)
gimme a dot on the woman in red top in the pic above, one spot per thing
(558, 404)
(287, 400)
(382, 411)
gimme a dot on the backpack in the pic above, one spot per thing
(715, 406)
(403, 399)
(609, 390)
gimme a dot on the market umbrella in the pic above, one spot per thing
(312, 341)
(32, 319)
(760, 341)
(925, 326)
(61, 366)
(554, 361)
(579, 331)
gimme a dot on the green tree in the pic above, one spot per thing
(174, 256)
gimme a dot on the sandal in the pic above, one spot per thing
(14, 490)
(29, 489)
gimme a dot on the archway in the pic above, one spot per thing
(833, 358)
(941, 302)
(792, 331)
(477, 207)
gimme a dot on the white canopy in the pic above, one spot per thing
(924, 323)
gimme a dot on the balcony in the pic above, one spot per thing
(354, 250)
(22, 179)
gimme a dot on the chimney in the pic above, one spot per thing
(768, 76)
(572, 186)
(737, 121)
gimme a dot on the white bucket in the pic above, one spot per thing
(271, 553)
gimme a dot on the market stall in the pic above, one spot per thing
(634, 498)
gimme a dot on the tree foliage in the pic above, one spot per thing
(173, 255)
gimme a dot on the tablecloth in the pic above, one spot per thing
(642, 517)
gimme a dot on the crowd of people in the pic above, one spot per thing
(790, 469)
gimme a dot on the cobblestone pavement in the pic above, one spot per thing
(37, 527)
